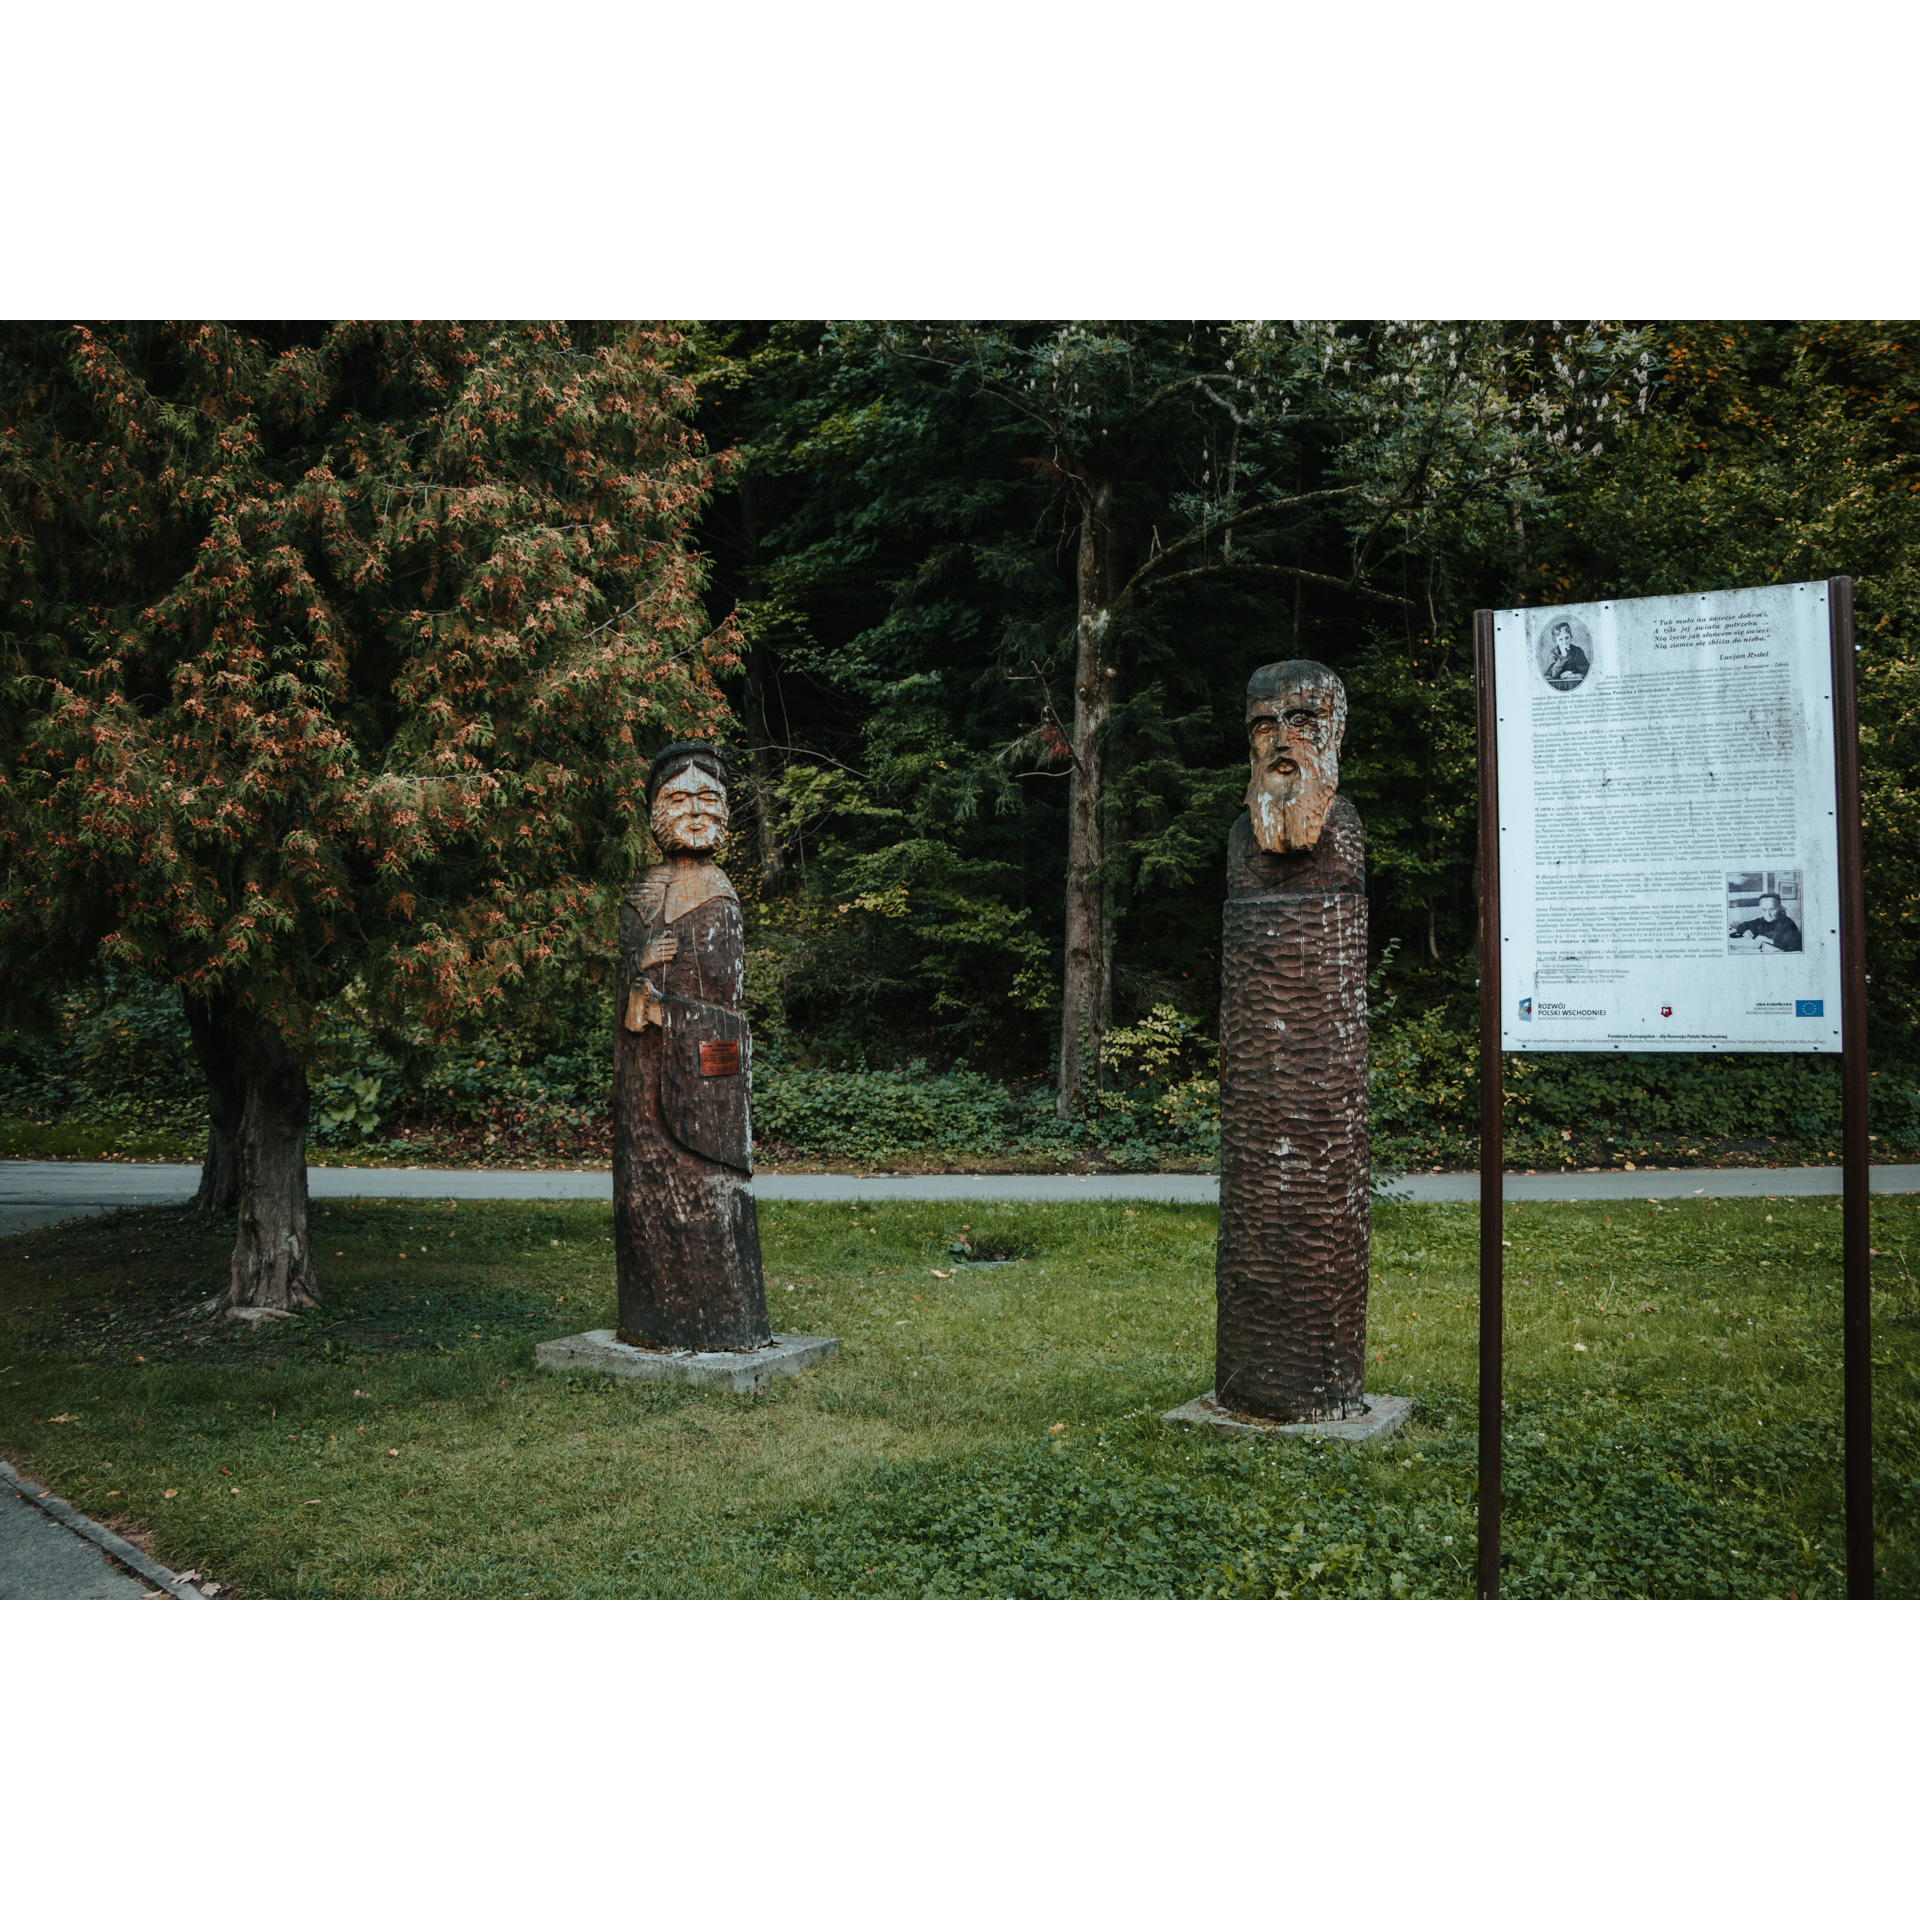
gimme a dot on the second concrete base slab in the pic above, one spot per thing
(1386, 1413)
(603, 1351)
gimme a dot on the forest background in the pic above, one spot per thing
(987, 599)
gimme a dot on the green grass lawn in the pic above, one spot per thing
(1672, 1387)
(96, 1140)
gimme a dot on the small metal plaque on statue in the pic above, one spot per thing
(1669, 873)
(718, 1057)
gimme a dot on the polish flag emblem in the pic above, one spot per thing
(1666, 1013)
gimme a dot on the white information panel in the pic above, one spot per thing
(1669, 879)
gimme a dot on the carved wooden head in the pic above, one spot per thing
(687, 800)
(1296, 719)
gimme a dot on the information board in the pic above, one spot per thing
(1669, 875)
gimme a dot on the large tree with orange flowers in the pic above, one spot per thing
(333, 654)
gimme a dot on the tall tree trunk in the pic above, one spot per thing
(263, 1086)
(760, 756)
(1114, 901)
(1085, 990)
(220, 1171)
(759, 733)
(272, 1256)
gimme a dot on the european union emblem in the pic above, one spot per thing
(1810, 1009)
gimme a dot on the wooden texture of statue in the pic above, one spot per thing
(686, 1242)
(1291, 1267)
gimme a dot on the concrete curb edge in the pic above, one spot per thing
(161, 1578)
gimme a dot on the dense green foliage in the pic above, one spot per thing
(901, 553)
(105, 1069)
(1577, 1107)
(115, 1073)
(110, 1067)
(117, 1054)
(899, 534)
(894, 537)
(1672, 1380)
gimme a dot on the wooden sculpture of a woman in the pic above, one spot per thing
(686, 1244)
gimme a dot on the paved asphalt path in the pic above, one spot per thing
(42, 1560)
(35, 1193)
(51, 1551)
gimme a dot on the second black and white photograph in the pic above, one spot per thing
(1764, 913)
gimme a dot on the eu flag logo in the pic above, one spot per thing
(1810, 1009)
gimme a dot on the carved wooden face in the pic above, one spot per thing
(690, 813)
(1294, 726)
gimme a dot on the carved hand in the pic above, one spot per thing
(660, 950)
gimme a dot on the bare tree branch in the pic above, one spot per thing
(1170, 391)
(1289, 573)
(1259, 511)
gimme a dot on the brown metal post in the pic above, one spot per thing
(1856, 1284)
(1493, 1154)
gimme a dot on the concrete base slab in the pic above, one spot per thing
(602, 1351)
(1386, 1413)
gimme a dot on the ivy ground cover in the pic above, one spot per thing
(992, 1427)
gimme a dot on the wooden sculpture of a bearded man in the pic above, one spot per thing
(1291, 1264)
(686, 1244)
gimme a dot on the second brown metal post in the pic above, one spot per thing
(1856, 1282)
(1492, 1130)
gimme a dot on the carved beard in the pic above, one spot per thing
(1289, 809)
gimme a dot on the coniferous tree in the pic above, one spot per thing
(335, 655)
(1088, 532)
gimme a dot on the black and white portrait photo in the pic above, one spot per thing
(1564, 650)
(1764, 911)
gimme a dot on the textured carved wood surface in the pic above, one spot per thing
(686, 1243)
(703, 1101)
(1291, 1272)
(1337, 864)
